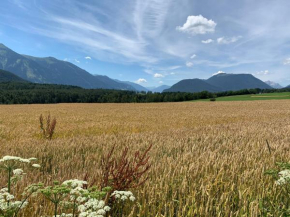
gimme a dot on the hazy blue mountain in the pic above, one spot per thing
(54, 71)
(9, 77)
(137, 87)
(192, 86)
(112, 82)
(236, 82)
(273, 84)
(159, 89)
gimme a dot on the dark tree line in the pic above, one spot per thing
(31, 93)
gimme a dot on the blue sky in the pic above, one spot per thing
(154, 42)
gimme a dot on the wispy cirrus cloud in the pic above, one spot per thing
(149, 17)
(286, 61)
(19, 3)
(225, 40)
(159, 36)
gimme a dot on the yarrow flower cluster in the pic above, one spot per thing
(83, 199)
(18, 172)
(72, 194)
(74, 183)
(284, 177)
(10, 162)
(93, 208)
(123, 195)
(8, 206)
(7, 203)
(19, 159)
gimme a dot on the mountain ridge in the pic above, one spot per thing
(219, 83)
(53, 71)
(192, 85)
(274, 84)
(6, 76)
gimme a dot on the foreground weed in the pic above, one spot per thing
(48, 130)
(121, 173)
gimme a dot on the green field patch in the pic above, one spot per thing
(252, 97)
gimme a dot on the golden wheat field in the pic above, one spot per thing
(208, 159)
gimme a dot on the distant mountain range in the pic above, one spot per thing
(9, 77)
(273, 84)
(192, 85)
(158, 89)
(53, 71)
(218, 83)
(137, 87)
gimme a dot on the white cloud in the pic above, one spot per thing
(160, 82)
(88, 58)
(172, 73)
(195, 25)
(266, 72)
(148, 71)
(174, 67)
(193, 56)
(208, 41)
(158, 75)
(141, 80)
(224, 40)
(189, 64)
(66, 59)
(286, 61)
(77, 61)
(219, 72)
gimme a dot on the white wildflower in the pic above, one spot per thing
(36, 165)
(93, 208)
(82, 208)
(107, 208)
(101, 212)
(10, 158)
(18, 172)
(284, 177)
(123, 195)
(74, 183)
(24, 160)
(7, 205)
(132, 198)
